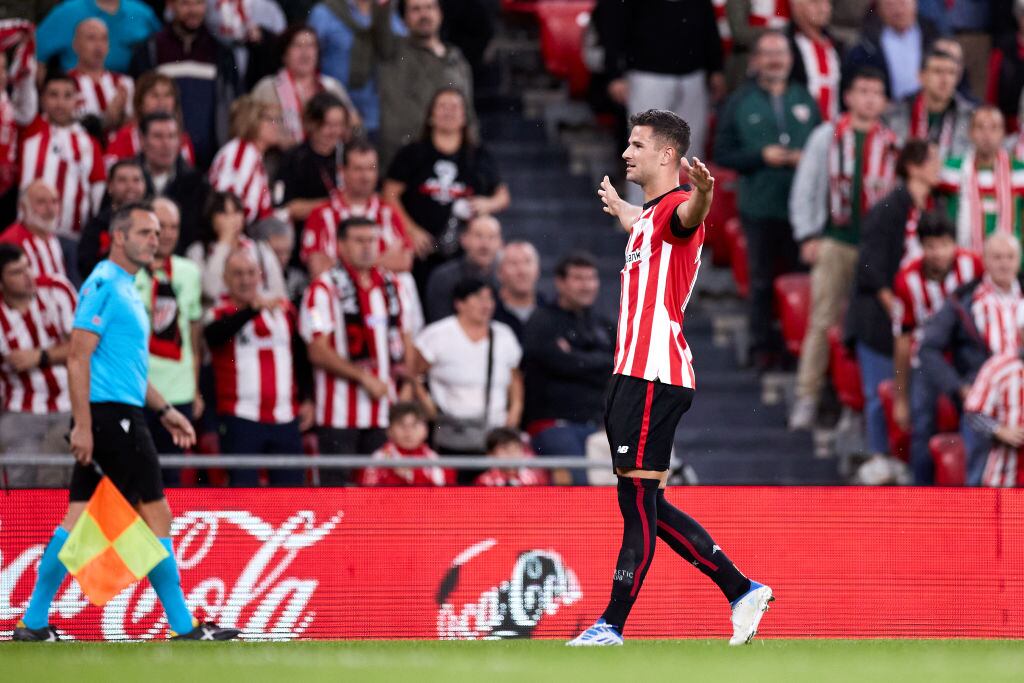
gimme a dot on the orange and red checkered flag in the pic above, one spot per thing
(111, 547)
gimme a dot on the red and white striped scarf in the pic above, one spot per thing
(235, 19)
(722, 21)
(878, 167)
(821, 63)
(970, 220)
(292, 103)
(919, 126)
(769, 13)
(8, 144)
(20, 35)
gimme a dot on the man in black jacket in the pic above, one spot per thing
(125, 184)
(888, 238)
(567, 359)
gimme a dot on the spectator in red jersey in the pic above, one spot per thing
(507, 443)
(238, 166)
(407, 438)
(920, 288)
(358, 197)
(261, 372)
(297, 82)
(8, 147)
(481, 243)
(56, 148)
(223, 232)
(35, 233)
(127, 185)
(101, 93)
(36, 315)
(994, 408)
(154, 92)
(352, 320)
(818, 58)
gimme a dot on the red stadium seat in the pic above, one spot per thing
(845, 371)
(793, 305)
(723, 209)
(946, 420)
(562, 24)
(950, 459)
(738, 256)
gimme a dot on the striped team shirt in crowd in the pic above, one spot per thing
(238, 167)
(917, 297)
(96, 94)
(44, 324)
(45, 257)
(998, 316)
(320, 233)
(657, 281)
(822, 66)
(998, 393)
(127, 144)
(70, 160)
(329, 311)
(254, 371)
(983, 201)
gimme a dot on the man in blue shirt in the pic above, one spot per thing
(107, 368)
(128, 22)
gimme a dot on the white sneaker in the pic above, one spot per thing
(803, 414)
(599, 635)
(747, 612)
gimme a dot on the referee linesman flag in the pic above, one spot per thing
(111, 547)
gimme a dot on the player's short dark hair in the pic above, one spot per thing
(121, 221)
(156, 117)
(914, 153)
(123, 163)
(468, 286)
(404, 409)
(574, 259)
(935, 224)
(667, 126)
(359, 145)
(355, 222)
(502, 436)
(867, 73)
(937, 53)
(318, 106)
(9, 253)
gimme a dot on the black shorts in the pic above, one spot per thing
(123, 447)
(640, 418)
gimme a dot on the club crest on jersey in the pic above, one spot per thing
(633, 257)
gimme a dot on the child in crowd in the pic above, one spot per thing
(508, 443)
(407, 438)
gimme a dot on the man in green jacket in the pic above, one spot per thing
(761, 131)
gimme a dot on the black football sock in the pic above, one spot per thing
(695, 545)
(639, 507)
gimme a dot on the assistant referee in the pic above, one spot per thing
(107, 369)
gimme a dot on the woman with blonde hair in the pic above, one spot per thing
(238, 166)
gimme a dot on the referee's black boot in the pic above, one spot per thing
(209, 631)
(46, 634)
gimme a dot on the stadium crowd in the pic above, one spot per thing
(332, 275)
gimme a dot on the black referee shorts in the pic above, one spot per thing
(640, 418)
(123, 447)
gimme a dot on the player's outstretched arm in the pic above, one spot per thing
(694, 210)
(614, 205)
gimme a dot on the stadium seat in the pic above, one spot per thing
(950, 459)
(738, 251)
(946, 419)
(793, 307)
(562, 24)
(844, 371)
(723, 209)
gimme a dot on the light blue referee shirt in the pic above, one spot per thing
(109, 306)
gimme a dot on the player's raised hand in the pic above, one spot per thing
(614, 205)
(698, 174)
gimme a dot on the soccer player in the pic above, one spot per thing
(107, 367)
(653, 381)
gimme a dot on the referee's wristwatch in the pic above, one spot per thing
(163, 411)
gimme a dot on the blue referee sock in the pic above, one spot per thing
(51, 575)
(167, 584)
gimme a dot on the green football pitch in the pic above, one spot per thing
(973, 661)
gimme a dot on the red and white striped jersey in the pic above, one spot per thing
(96, 94)
(126, 144)
(657, 281)
(919, 297)
(722, 21)
(69, 159)
(421, 476)
(769, 13)
(320, 234)
(238, 167)
(998, 316)
(822, 66)
(45, 256)
(44, 324)
(998, 393)
(363, 326)
(8, 144)
(254, 372)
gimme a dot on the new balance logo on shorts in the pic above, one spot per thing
(623, 450)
